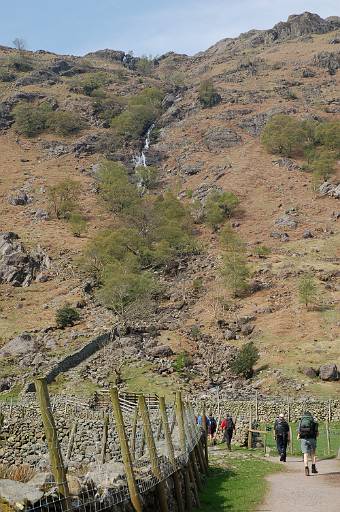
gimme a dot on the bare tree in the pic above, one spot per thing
(19, 44)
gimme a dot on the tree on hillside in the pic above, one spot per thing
(19, 44)
(207, 94)
(234, 269)
(284, 135)
(307, 289)
(219, 206)
(245, 360)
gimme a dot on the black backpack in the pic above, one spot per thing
(281, 427)
(230, 423)
(307, 427)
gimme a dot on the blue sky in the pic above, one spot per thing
(144, 26)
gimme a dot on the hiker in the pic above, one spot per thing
(228, 428)
(308, 431)
(282, 436)
(212, 427)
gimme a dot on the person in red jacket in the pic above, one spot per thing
(228, 428)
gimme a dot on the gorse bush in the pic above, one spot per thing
(32, 119)
(66, 316)
(245, 360)
(207, 94)
(90, 82)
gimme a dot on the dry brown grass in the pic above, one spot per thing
(21, 473)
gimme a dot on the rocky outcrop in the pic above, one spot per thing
(20, 198)
(107, 54)
(17, 266)
(329, 189)
(6, 118)
(221, 138)
(255, 124)
(38, 76)
(22, 344)
(327, 60)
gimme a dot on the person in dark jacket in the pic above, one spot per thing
(282, 436)
(228, 428)
(308, 431)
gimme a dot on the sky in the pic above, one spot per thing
(147, 27)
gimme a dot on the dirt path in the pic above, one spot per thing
(291, 490)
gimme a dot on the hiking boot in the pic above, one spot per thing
(282, 459)
(314, 470)
(307, 471)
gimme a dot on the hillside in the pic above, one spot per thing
(291, 69)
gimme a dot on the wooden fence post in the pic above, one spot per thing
(291, 440)
(150, 442)
(198, 447)
(204, 425)
(104, 439)
(328, 438)
(171, 452)
(181, 430)
(133, 433)
(130, 476)
(71, 441)
(56, 460)
(329, 411)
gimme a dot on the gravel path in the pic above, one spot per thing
(291, 490)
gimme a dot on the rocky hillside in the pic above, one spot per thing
(288, 225)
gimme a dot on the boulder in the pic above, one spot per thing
(329, 372)
(307, 234)
(161, 351)
(22, 344)
(20, 198)
(330, 189)
(17, 266)
(104, 476)
(286, 221)
(327, 60)
(18, 494)
(221, 138)
(38, 76)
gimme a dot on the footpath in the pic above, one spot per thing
(291, 490)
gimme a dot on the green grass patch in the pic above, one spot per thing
(236, 484)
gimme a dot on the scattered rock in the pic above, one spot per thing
(286, 221)
(328, 60)
(221, 138)
(20, 198)
(22, 344)
(287, 163)
(161, 351)
(329, 189)
(329, 372)
(310, 372)
(18, 494)
(307, 234)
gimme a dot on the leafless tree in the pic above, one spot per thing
(19, 44)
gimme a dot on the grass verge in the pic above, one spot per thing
(236, 482)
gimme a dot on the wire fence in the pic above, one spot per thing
(74, 458)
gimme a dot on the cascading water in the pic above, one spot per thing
(140, 160)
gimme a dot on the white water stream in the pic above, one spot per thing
(140, 160)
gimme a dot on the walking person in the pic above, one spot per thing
(282, 436)
(228, 428)
(212, 427)
(308, 431)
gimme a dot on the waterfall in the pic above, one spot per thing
(140, 160)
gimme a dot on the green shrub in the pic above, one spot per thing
(115, 188)
(147, 176)
(77, 223)
(6, 75)
(107, 108)
(145, 65)
(142, 111)
(64, 123)
(20, 62)
(197, 284)
(323, 165)
(207, 94)
(182, 362)
(63, 198)
(219, 206)
(30, 119)
(66, 316)
(262, 251)
(245, 360)
(90, 82)
(284, 135)
(195, 332)
(235, 273)
(307, 289)
(328, 135)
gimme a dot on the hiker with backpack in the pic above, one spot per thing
(308, 431)
(228, 428)
(212, 427)
(282, 436)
